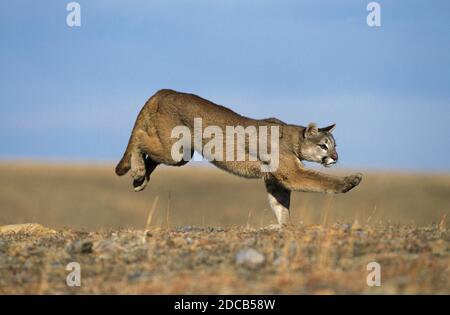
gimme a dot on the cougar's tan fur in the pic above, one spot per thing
(151, 143)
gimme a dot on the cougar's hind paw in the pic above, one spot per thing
(138, 171)
(140, 183)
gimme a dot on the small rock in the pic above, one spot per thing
(80, 247)
(139, 276)
(188, 228)
(250, 257)
(215, 229)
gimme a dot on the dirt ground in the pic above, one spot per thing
(199, 230)
(214, 260)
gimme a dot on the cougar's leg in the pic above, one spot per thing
(279, 200)
(159, 153)
(294, 177)
(149, 153)
(141, 183)
(138, 170)
(137, 164)
(142, 165)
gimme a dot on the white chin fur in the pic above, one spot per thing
(329, 163)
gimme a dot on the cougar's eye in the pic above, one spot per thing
(323, 146)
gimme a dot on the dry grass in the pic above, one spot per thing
(92, 197)
(182, 234)
(196, 260)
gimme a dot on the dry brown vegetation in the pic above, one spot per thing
(202, 219)
(91, 197)
(201, 260)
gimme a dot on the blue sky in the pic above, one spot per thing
(73, 93)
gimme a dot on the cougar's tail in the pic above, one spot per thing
(125, 163)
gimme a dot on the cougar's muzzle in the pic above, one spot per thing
(329, 161)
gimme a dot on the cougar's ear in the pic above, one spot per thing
(329, 128)
(311, 130)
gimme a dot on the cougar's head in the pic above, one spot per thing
(319, 145)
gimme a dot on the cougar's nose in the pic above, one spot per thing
(334, 155)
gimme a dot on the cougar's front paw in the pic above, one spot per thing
(351, 181)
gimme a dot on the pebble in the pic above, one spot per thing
(80, 247)
(249, 257)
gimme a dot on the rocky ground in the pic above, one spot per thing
(236, 260)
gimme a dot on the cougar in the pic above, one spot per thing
(151, 143)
